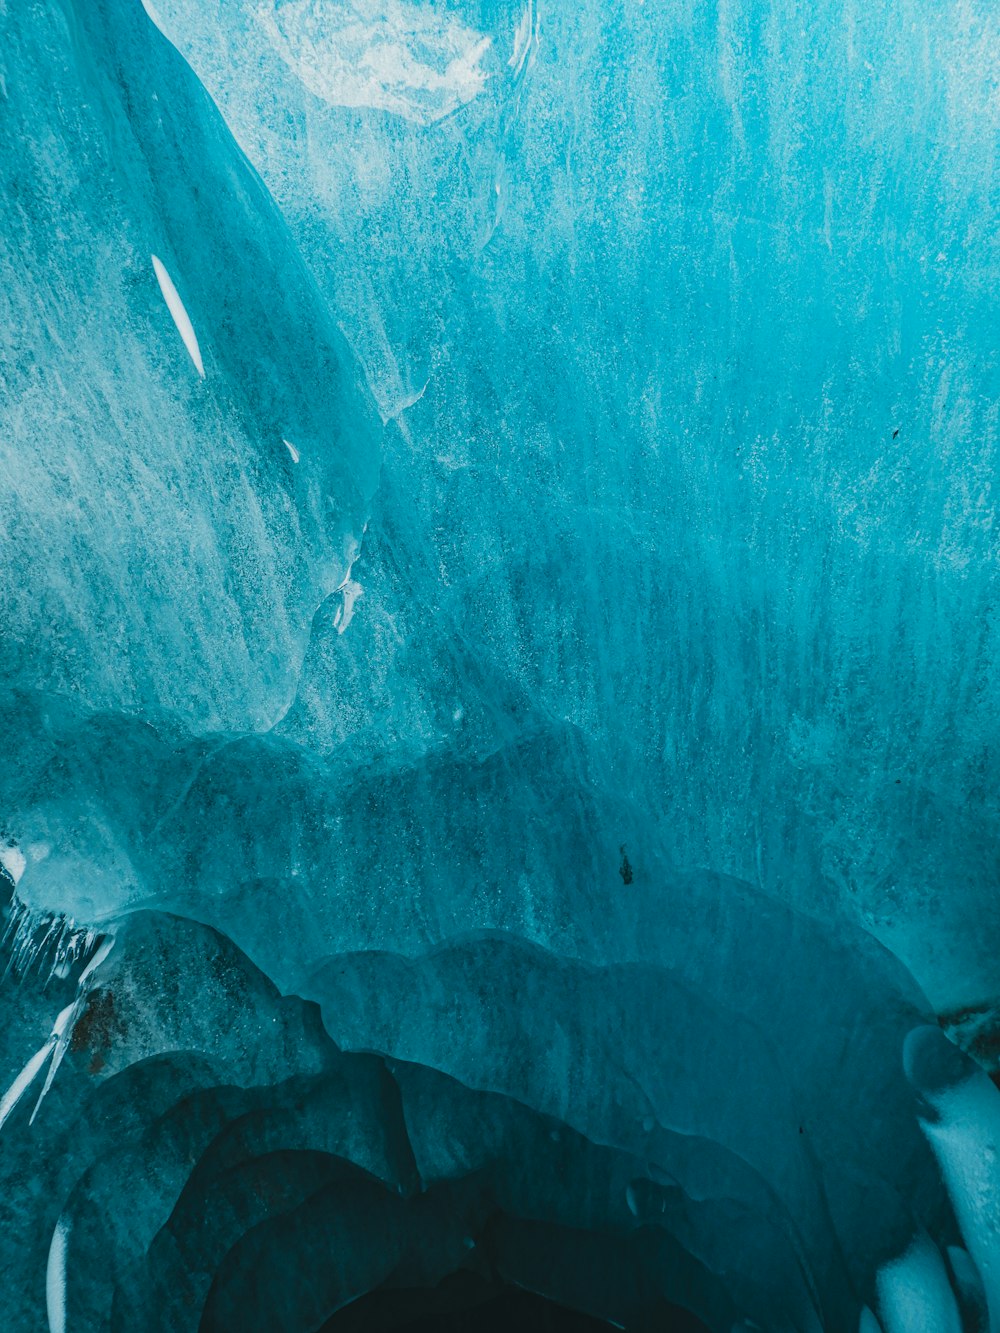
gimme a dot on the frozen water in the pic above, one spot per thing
(158, 552)
(499, 667)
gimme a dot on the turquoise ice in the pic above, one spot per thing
(499, 664)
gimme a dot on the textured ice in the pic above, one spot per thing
(498, 675)
(158, 551)
(405, 58)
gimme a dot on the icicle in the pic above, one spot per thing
(58, 1040)
(24, 1080)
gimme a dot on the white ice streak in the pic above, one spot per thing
(61, 1031)
(55, 1279)
(349, 590)
(107, 944)
(407, 400)
(24, 1080)
(178, 314)
(525, 35)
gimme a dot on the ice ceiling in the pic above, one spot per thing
(499, 671)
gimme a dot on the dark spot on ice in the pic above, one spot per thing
(98, 1027)
(625, 869)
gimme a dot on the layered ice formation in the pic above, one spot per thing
(499, 666)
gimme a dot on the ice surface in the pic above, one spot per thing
(158, 552)
(499, 665)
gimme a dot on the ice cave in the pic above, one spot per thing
(499, 666)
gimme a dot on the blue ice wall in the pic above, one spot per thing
(700, 305)
(499, 663)
(161, 548)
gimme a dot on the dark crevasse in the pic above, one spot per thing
(498, 666)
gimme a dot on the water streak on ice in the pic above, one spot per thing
(178, 314)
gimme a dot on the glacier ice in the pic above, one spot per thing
(499, 668)
(158, 552)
